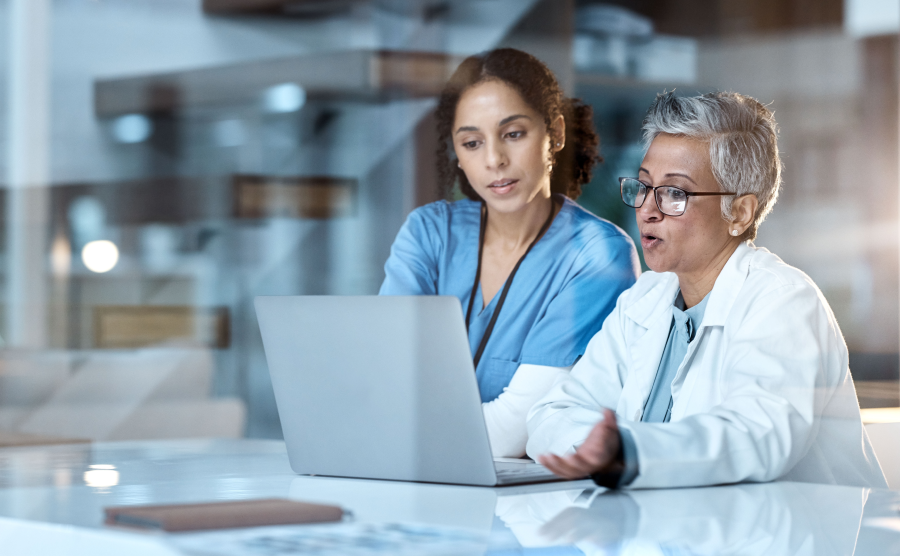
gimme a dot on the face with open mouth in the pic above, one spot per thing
(692, 242)
(503, 146)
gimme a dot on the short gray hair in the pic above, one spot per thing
(743, 143)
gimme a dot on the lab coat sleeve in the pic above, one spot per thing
(783, 360)
(505, 415)
(562, 419)
(412, 267)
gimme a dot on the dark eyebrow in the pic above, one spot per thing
(502, 123)
(671, 175)
(505, 121)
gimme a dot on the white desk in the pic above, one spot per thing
(52, 500)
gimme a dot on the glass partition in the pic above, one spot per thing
(166, 161)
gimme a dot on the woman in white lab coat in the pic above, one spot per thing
(723, 364)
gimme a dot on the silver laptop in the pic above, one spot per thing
(381, 388)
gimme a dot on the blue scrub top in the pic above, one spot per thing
(563, 291)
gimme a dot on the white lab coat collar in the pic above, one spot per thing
(728, 285)
(653, 312)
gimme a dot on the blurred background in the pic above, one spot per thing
(165, 161)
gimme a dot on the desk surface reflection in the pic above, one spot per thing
(52, 500)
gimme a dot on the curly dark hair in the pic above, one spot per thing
(572, 166)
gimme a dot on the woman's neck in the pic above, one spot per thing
(697, 284)
(515, 231)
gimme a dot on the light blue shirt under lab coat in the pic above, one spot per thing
(658, 408)
(563, 291)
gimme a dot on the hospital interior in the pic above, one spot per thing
(165, 162)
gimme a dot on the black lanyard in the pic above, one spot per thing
(481, 232)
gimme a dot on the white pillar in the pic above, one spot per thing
(28, 134)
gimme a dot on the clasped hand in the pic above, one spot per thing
(598, 452)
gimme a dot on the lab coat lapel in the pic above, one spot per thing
(722, 297)
(727, 287)
(652, 318)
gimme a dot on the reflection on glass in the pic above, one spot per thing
(100, 255)
(132, 128)
(101, 476)
(148, 144)
(87, 219)
(287, 97)
(61, 256)
(763, 519)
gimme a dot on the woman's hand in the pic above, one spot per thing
(597, 453)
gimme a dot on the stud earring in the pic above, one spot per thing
(735, 232)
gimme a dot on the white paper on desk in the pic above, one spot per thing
(344, 539)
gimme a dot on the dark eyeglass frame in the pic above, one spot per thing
(654, 189)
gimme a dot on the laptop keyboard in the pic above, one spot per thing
(521, 472)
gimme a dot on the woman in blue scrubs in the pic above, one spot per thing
(536, 274)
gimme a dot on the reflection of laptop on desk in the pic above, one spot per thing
(381, 388)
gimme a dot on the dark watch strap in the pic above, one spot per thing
(612, 475)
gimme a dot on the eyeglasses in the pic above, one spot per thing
(672, 201)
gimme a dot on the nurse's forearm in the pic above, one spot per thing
(505, 416)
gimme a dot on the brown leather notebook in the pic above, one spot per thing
(222, 515)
